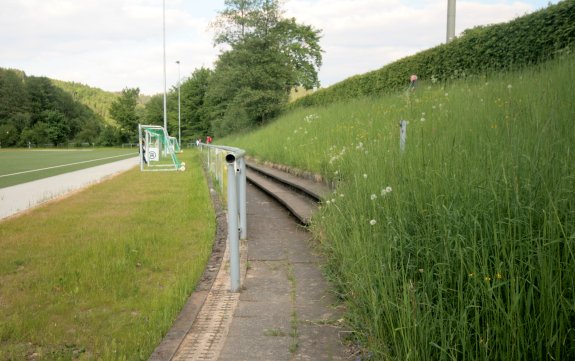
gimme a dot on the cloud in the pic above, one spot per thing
(113, 44)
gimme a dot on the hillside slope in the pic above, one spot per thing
(463, 245)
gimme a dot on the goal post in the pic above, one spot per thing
(157, 149)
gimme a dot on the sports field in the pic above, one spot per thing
(20, 166)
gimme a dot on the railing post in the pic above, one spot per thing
(233, 233)
(242, 199)
(402, 135)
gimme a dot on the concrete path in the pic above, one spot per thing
(285, 310)
(19, 198)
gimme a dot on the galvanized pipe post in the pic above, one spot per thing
(242, 199)
(233, 234)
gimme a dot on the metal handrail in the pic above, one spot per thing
(236, 194)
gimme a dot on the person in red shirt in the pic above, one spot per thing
(412, 82)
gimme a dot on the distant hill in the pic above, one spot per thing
(94, 98)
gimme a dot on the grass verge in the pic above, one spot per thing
(103, 274)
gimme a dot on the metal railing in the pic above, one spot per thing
(230, 160)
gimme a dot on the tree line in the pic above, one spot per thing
(34, 111)
(266, 56)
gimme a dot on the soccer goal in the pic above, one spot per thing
(158, 149)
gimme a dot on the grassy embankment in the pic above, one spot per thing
(462, 247)
(103, 274)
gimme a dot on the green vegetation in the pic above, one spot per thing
(269, 56)
(525, 41)
(34, 111)
(123, 110)
(20, 166)
(463, 246)
(103, 274)
(96, 99)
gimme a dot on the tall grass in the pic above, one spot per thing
(463, 246)
(103, 274)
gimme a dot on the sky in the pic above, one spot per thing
(117, 44)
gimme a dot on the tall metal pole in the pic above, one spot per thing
(179, 109)
(450, 20)
(165, 94)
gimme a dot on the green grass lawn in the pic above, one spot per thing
(102, 275)
(25, 165)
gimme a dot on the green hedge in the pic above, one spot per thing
(527, 40)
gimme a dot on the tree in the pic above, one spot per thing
(57, 129)
(123, 110)
(236, 21)
(269, 56)
(195, 121)
(154, 111)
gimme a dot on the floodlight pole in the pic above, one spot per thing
(179, 109)
(165, 95)
(450, 20)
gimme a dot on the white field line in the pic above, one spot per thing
(62, 165)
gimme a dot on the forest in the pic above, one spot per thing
(33, 111)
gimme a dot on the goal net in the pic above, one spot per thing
(158, 150)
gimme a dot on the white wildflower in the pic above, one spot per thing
(385, 191)
(373, 197)
(372, 222)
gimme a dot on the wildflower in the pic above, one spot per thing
(446, 94)
(385, 191)
(341, 195)
(487, 278)
(499, 276)
(509, 86)
(471, 274)
(372, 222)
(364, 176)
(422, 119)
(373, 197)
